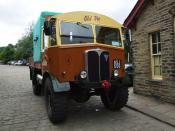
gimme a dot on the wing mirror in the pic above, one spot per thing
(47, 28)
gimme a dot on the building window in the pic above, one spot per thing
(156, 55)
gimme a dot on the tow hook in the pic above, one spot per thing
(106, 84)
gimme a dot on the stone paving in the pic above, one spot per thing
(153, 107)
(20, 110)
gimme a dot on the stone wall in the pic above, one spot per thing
(154, 17)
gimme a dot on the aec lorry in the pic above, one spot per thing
(77, 55)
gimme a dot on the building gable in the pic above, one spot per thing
(131, 20)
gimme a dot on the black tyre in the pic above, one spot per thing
(56, 103)
(79, 94)
(115, 97)
(36, 86)
(36, 89)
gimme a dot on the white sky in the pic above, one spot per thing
(17, 15)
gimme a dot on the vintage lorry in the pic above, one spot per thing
(77, 55)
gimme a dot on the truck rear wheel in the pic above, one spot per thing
(115, 97)
(55, 103)
(36, 87)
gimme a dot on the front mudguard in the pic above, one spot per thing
(59, 87)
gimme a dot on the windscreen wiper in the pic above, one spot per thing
(80, 24)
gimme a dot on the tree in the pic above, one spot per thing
(8, 53)
(22, 49)
(1, 49)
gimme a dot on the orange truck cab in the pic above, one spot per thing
(77, 55)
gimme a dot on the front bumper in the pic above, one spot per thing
(96, 85)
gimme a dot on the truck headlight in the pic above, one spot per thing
(83, 74)
(116, 73)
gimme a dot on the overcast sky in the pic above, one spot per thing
(17, 15)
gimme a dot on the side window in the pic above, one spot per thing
(53, 33)
(45, 41)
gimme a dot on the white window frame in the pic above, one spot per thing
(155, 77)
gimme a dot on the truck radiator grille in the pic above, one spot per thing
(104, 65)
(97, 65)
(93, 66)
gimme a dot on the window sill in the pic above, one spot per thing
(157, 79)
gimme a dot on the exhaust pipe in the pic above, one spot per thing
(39, 78)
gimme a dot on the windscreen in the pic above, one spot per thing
(108, 35)
(75, 33)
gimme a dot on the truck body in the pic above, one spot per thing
(77, 55)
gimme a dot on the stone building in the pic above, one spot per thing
(152, 23)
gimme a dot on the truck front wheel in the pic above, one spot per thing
(115, 97)
(55, 103)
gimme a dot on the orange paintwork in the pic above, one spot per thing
(67, 61)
